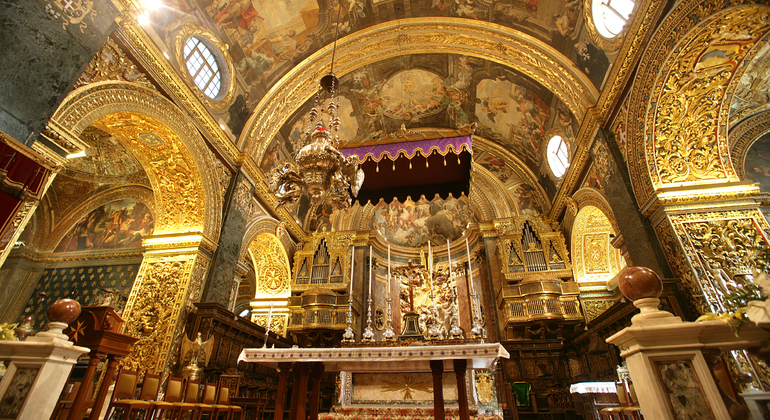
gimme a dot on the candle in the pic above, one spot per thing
(370, 271)
(449, 254)
(352, 257)
(470, 270)
(430, 266)
(269, 316)
(388, 271)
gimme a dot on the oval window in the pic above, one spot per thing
(611, 16)
(558, 156)
(203, 67)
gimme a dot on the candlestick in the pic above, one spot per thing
(449, 254)
(368, 335)
(389, 334)
(470, 270)
(477, 330)
(349, 336)
(269, 319)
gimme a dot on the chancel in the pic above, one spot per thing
(385, 209)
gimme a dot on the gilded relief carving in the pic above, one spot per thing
(171, 169)
(271, 266)
(111, 63)
(686, 140)
(594, 308)
(153, 310)
(144, 107)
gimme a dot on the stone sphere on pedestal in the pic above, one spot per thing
(64, 310)
(639, 282)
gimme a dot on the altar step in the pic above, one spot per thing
(392, 413)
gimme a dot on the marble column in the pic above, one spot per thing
(218, 287)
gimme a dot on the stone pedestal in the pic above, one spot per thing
(665, 354)
(37, 370)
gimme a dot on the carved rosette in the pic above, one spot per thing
(155, 308)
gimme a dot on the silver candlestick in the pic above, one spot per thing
(349, 335)
(455, 331)
(434, 332)
(389, 334)
(368, 335)
(477, 331)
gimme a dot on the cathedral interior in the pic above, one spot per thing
(499, 163)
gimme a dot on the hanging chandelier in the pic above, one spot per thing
(319, 169)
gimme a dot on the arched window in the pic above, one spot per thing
(558, 156)
(611, 16)
(203, 67)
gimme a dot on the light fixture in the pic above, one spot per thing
(319, 169)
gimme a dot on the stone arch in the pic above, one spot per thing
(260, 225)
(743, 136)
(668, 119)
(588, 196)
(186, 200)
(489, 41)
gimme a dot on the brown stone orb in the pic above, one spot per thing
(64, 310)
(639, 282)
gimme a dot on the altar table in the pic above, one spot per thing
(311, 362)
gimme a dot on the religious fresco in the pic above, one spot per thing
(266, 38)
(592, 180)
(526, 199)
(413, 224)
(116, 225)
(445, 91)
(757, 163)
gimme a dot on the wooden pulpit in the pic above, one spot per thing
(98, 328)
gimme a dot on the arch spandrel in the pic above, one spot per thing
(128, 107)
(492, 42)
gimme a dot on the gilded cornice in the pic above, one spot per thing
(484, 40)
(42, 156)
(637, 36)
(165, 73)
(743, 135)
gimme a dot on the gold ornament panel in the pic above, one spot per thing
(271, 266)
(689, 134)
(682, 19)
(593, 257)
(156, 306)
(111, 63)
(180, 203)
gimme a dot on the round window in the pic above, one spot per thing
(203, 67)
(558, 156)
(611, 16)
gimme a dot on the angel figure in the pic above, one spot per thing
(196, 351)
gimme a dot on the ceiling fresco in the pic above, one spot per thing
(752, 95)
(445, 91)
(267, 38)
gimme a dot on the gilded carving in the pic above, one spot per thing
(688, 139)
(744, 135)
(485, 384)
(243, 194)
(153, 309)
(172, 170)
(111, 63)
(107, 99)
(594, 308)
(271, 265)
(71, 12)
